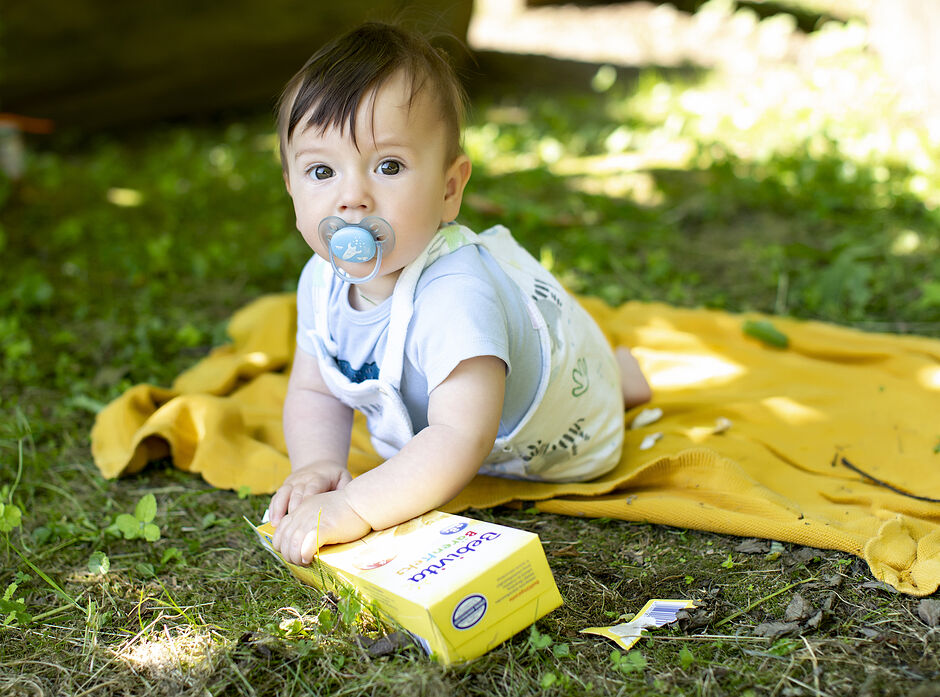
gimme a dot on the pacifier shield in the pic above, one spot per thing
(356, 243)
(353, 243)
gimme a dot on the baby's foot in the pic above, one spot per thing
(636, 390)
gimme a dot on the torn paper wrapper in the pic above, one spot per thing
(650, 440)
(722, 424)
(646, 417)
(655, 613)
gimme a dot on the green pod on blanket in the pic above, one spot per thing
(766, 332)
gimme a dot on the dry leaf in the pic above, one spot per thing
(804, 555)
(695, 618)
(752, 546)
(880, 585)
(384, 645)
(569, 551)
(798, 609)
(814, 621)
(775, 630)
(929, 611)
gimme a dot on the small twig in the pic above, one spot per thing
(19, 470)
(804, 685)
(764, 599)
(51, 613)
(707, 637)
(62, 544)
(31, 662)
(65, 596)
(234, 667)
(784, 676)
(170, 644)
(812, 655)
(879, 482)
(95, 688)
(174, 604)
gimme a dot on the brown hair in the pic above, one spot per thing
(333, 82)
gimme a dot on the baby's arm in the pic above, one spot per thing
(432, 468)
(316, 428)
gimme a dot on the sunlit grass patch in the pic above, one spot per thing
(169, 655)
(792, 183)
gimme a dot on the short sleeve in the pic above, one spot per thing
(459, 314)
(305, 310)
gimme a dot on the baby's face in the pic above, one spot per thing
(398, 172)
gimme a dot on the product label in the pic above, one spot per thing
(441, 562)
(469, 611)
(518, 580)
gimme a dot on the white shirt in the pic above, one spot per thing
(465, 306)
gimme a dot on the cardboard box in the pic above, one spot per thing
(459, 586)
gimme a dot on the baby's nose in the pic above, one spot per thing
(355, 196)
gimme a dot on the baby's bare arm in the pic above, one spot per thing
(316, 428)
(463, 419)
(432, 468)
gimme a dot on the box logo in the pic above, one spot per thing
(438, 567)
(469, 611)
(453, 529)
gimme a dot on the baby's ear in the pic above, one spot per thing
(455, 181)
(286, 181)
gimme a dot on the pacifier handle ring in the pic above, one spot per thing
(357, 279)
(382, 234)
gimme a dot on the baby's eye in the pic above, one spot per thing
(390, 167)
(320, 172)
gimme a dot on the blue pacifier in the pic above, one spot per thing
(356, 243)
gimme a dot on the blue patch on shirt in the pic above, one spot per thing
(368, 371)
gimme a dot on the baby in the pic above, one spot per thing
(464, 354)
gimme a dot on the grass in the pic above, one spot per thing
(123, 256)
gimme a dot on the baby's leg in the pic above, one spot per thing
(636, 390)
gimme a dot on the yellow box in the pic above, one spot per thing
(459, 586)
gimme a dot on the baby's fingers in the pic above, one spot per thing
(278, 534)
(344, 478)
(300, 545)
(283, 538)
(279, 504)
(308, 547)
(302, 492)
(297, 497)
(294, 540)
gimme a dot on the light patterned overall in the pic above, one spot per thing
(573, 430)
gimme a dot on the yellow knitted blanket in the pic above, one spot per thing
(831, 442)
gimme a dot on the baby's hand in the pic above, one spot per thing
(319, 520)
(305, 482)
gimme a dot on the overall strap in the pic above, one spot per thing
(323, 274)
(447, 239)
